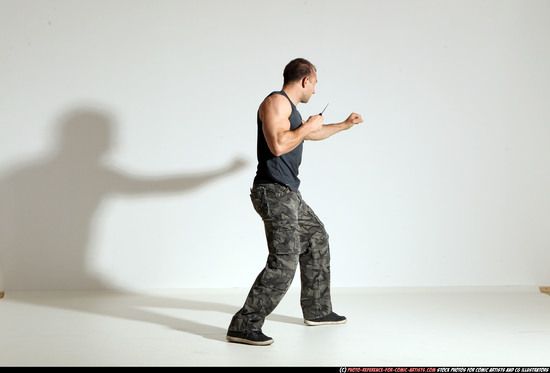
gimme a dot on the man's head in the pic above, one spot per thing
(301, 72)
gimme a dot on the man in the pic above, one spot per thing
(295, 235)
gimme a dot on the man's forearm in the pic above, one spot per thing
(326, 131)
(286, 141)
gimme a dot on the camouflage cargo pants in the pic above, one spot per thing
(295, 235)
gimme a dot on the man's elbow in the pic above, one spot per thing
(277, 150)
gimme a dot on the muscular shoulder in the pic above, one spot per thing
(275, 105)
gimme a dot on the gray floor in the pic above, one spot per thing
(386, 327)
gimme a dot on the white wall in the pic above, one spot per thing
(110, 110)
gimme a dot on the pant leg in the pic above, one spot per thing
(314, 259)
(278, 207)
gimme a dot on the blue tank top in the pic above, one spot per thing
(283, 169)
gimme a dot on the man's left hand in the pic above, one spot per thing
(352, 120)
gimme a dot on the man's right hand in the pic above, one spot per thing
(314, 123)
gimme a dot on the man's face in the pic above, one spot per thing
(309, 88)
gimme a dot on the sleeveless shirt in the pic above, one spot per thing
(284, 168)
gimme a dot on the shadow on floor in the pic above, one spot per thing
(138, 307)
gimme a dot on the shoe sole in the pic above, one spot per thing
(249, 342)
(317, 323)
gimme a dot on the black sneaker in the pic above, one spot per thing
(251, 338)
(330, 319)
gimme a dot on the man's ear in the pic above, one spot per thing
(304, 81)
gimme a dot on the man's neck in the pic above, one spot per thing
(293, 93)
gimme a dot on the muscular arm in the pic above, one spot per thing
(330, 129)
(274, 113)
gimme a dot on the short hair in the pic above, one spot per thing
(297, 70)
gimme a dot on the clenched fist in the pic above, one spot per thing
(352, 120)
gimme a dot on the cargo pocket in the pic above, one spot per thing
(284, 238)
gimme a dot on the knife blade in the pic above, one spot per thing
(321, 113)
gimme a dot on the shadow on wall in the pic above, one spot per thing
(47, 207)
(46, 211)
